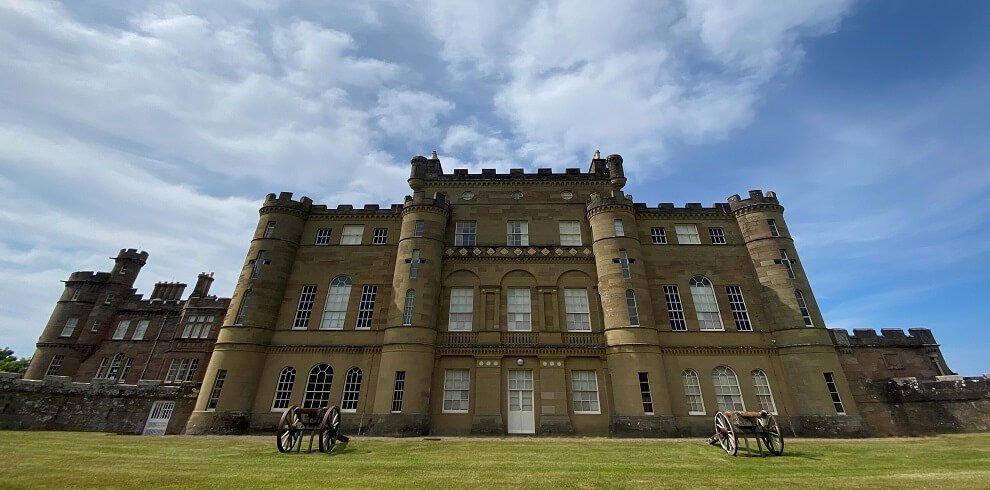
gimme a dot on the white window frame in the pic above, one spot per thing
(645, 393)
(379, 236)
(456, 391)
(283, 389)
(620, 229)
(352, 390)
(269, 229)
(140, 330)
(570, 233)
(833, 392)
(419, 228)
(243, 308)
(304, 309)
(335, 307)
(366, 307)
(737, 303)
(461, 315)
(352, 235)
(519, 310)
(803, 308)
(109, 299)
(717, 235)
(577, 310)
(583, 384)
(706, 305)
(54, 365)
(121, 331)
(658, 235)
(214, 400)
(692, 392)
(96, 326)
(764, 395)
(632, 308)
(398, 390)
(675, 308)
(517, 233)
(465, 234)
(69, 327)
(407, 308)
(322, 236)
(318, 385)
(728, 396)
(687, 234)
(772, 225)
(75, 295)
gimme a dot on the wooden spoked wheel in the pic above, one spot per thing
(329, 428)
(289, 430)
(726, 434)
(771, 435)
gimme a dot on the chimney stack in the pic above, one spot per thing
(203, 283)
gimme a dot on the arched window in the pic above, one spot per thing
(115, 366)
(242, 311)
(318, 386)
(727, 392)
(704, 304)
(336, 305)
(352, 390)
(804, 308)
(283, 389)
(761, 384)
(692, 391)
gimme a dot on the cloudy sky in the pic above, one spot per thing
(161, 126)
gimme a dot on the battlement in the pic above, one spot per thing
(439, 199)
(350, 210)
(889, 337)
(284, 201)
(89, 276)
(429, 169)
(691, 208)
(617, 198)
(756, 197)
(133, 254)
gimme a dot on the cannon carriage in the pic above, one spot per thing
(762, 426)
(296, 422)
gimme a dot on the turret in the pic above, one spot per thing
(127, 265)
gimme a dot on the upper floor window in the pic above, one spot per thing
(518, 234)
(576, 310)
(687, 234)
(335, 308)
(140, 330)
(631, 306)
(96, 326)
(70, 326)
(461, 309)
(659, 236)
(197, 327)
(624, 263)
(243, 309)
(75, 295)
(420, 225)
(465, 233)
(380, 237)
(270, 229)
(323, 236)
(738, 306)
(773, 227)
(704, 303)
(519, 310)
(366, 309)
(727, 393)
(414, 264)
(123, 269)
(805, 314)
(570, 233)
(305, 308)
(121, 331)
(675, 310)
(109, 299)
(259, 261)
(54, 365)
(181, 370)
(407, 309)
(619, 229)
(717, 236)
(352, 235)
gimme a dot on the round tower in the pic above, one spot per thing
(632, 342)
(804, 347)
(409, 343)
(250, 321)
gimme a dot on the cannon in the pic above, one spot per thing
(297, 422)
(729, 425)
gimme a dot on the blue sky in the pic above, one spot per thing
(162, 125)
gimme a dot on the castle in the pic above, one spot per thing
(519, 303)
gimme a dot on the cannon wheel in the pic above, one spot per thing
(726, 434)
(289, 430)
(329, 429)
(772, 436)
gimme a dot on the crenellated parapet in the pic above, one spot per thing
(420, 202)
(89, 276)
(888, 337)
(133, 254)
(756, 200)
(283, 203)
(598, 203)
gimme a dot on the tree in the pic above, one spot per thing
(9, 363)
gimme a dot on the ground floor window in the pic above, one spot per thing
(456, 390)
(352, 390)
(584, 385)
(727, 393)
(283, 388)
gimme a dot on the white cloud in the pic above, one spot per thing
(410, 115)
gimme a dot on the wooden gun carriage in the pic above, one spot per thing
(729, 425)
(295, 422)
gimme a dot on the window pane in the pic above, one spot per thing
(576, 308)
(687, 234)
(727, 393)
(461, 309)
(519, 309)
(704, 304)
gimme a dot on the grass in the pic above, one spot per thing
(79, 459)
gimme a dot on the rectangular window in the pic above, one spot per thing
(173, 369)
(121, 329)
(738, 306)
(366, 309)
(584, 385)
(398, 388)
(461, 309)
(305, 308)
(456, 390)
(578, 315)
(258, 262)
(323, 236)
(380, 237)
(243, 309)
(805, 314)
(659, 236)
(197, 327)
(619, 229)
(352, 235)
(773, 227)
(123, 370)
(211, 404)
(139, 332)
(675, 312)
(109, 299)
(75, 295)
(465, 233)
(624, 263)
(70, 326)
(102, 370)
(54, 365)
(270, 229)
(687, 234)
(518, 234)
(519, 310)
(644, 389)
(833, 391)
(786, 262)
(407, 309)
(420, 226)
(717, 236)
(570, 233)
(414, 265)
(631, 306)
(96, 326)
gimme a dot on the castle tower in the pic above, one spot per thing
(240, 351)
(631, 339)
(804, 347)
(88, 297)
(409, 343)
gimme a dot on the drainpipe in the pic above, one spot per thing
(154, 346)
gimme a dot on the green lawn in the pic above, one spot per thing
(77, 459)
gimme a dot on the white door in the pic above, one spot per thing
(521, 418)
(161, 411)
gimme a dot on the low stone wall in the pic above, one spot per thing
(57, 403)
(909, 407)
